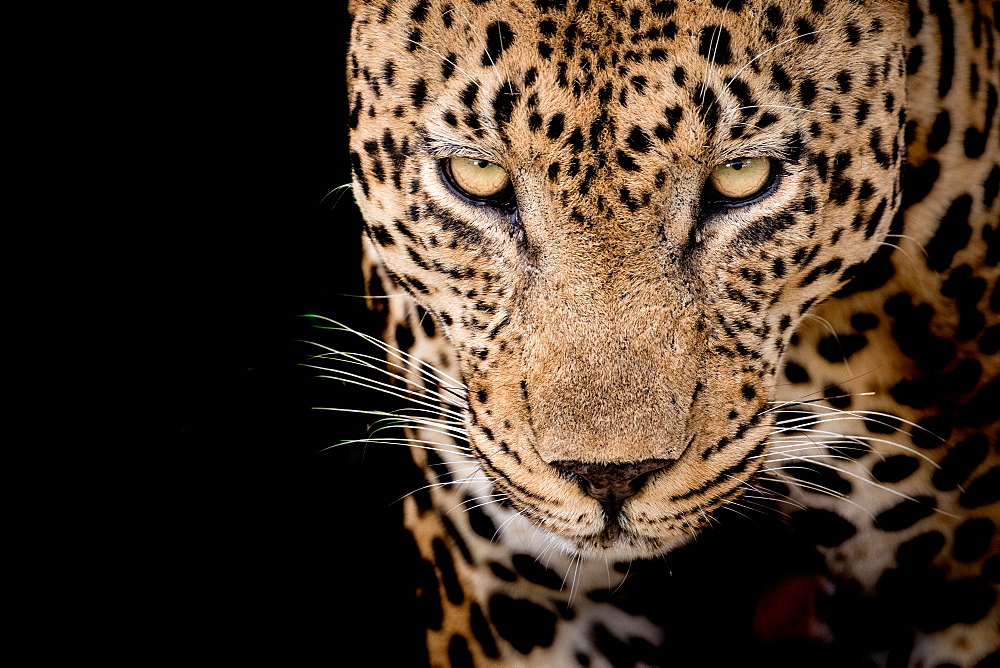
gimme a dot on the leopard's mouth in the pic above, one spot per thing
(612, 485)
(635, 529)
(631, 511)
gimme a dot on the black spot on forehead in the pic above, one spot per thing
(714, 44)
(638, 140)
(635, 19)
(418, 93)
(414, 39)
(705, 99)
(499, 37)
(503, 103)
(805, 30)
(731, 5)
(419, 11)
(664, 9)
(556, 124)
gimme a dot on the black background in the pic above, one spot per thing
(267, 544)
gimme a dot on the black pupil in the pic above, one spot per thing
(738, 165)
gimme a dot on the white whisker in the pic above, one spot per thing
(864, 440)
(421, 392)
(400, 355)
(399, 441)
(340, 190)
(503, 524)
(812, 402)
(492, 498)
(780, 106)
(379, 364)
(385, 388)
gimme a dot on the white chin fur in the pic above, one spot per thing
(621, 550)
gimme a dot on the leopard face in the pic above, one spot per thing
(618, 214)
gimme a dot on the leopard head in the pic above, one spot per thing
(617, 214)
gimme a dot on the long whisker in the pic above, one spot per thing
(833, 332)
(914, 425)
(814, 486)
(503, 524)
(401, 441)
(862, 441)
(386, 388)
(811, 402)
(340, 190)
(493, 498)
(453, 428)
(781, 106)
(379, 364)
(451, 434)
(422, 391)
(439, 485)
(765, 495)
(713, 48)
(401, 355)
(871, 482)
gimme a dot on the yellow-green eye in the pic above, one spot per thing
(742, 178)
(478, 179)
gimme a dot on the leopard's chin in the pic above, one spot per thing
(628, 547)
(621, 545)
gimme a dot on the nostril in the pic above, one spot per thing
(605, 482)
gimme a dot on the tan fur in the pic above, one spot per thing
(609, 323)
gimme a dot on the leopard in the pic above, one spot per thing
(652, 269)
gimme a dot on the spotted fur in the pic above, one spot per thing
(615, 361)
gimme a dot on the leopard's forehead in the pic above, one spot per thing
(610, 116)
(635, 84)
(614, 113)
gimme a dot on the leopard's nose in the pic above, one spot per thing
(612, 483)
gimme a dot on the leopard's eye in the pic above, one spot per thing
(480, 180)
(741, 179)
